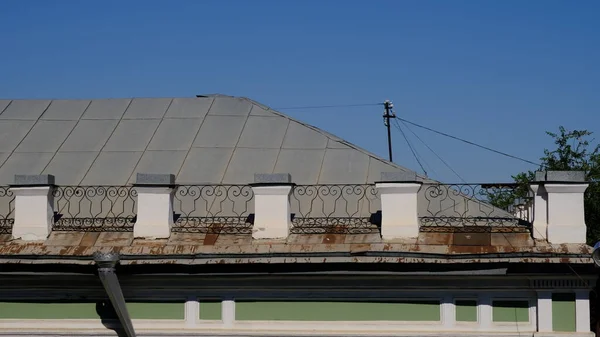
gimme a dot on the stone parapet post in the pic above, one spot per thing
(272, 213)
(154, 205)
(34, 206)
(399, 217)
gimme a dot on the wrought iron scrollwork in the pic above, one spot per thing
(213, 209)
(7, 210)
(94, 208)
(475, 208)
(343, 209)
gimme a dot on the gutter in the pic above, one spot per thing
(106, 263)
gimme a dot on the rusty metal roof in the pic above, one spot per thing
(199, 248)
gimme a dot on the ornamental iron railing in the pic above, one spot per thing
(7, 210)
(339, 209)
(94, 208)
(316, 209)
(475, 208)
(213, 209)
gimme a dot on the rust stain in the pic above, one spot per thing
(359, 248)
(512, 240)
(144, 242)
(64, 239)
(89, 239)
(212, 234)
(220, 243)
(472, 239)
(234, 239)
(210, 239)
(333, 239)
(79, 250)
(432, 238)
(114, 239)
(185, 249)
(186, 238)
(472, 249)
(362, 238)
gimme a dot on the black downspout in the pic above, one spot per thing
(106, 263)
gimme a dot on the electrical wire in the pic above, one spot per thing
(327, 106)
(422, 158)
(430, 168)
(412, 123)
(397, 125)
(470, 143)
(435, 153)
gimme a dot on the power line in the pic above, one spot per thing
(432, 151)
(412, 123)
(425, 163)
(327, 106)
(469, 142)
(397, 125)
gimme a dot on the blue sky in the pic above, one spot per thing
(499, 73)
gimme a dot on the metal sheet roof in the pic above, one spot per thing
(219, 139)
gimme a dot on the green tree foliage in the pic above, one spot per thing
(573, 152)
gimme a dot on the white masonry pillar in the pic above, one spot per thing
(582, 311)
(272, 213)
(34, 207)
(566, 220)
(399, 218)
(485, 312)
(154, 205)
(544, 311)
(540, 207)
(228, 312)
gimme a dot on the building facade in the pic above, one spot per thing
(216, 215)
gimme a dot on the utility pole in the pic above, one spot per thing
(387, 114)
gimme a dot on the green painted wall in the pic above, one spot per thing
(466, 310)
(210, 310)
(338, 311)
(156, 310)
(48, 310)
(563, 312)
(510, 311)
(62, 310)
